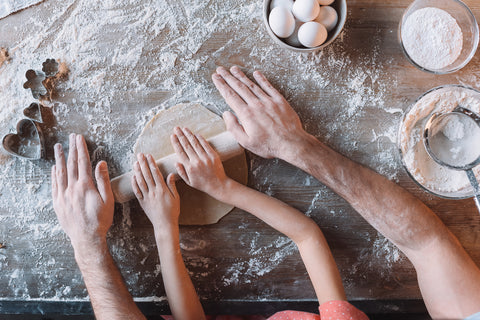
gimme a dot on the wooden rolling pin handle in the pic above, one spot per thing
(224, 143)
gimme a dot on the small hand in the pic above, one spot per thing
(200, 166)
(159, 200)
(84, 212)
(268, 124)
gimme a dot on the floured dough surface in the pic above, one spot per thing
(196, 208)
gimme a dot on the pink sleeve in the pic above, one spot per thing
(294, 315)
(340, 310)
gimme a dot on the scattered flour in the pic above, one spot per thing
(423, 169)
(432, 38)
(131, 58)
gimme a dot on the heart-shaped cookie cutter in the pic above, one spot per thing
(27, 143)
(34, 112)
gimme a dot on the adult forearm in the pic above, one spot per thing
(108, 294)
(389, 208)
(182, 297)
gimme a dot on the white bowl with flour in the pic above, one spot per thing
(434, 178)
(438, 36)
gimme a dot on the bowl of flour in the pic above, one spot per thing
(432, 177)
(438, 36)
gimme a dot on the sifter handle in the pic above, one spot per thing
(476, 187)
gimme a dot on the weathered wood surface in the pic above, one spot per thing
(235, 258)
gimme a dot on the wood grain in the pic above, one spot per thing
(210, 252)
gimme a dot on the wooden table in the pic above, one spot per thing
(351, 95)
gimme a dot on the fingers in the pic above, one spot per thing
(84, 166)
(197, 146)
(266, 85)
(182, 172)
(54, 183)
(103, 182)
(177, 146)
(206, 146)
(238, 86)
(185, 143)
(146, 173)
(237, 73)
(72, 163)
(172, 186)
(136, 189)
(139, 178)
(235, 128)
(156, 174)
(61, 168)
(231, 97)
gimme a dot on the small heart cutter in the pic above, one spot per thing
(34, 112)
(27, 143)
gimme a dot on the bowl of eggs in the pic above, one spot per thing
(304, 25)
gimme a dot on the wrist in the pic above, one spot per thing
(225, 190)
(90, 252)
(164, 236)
(297, 147)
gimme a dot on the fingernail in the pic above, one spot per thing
(58, 147)
(220, 70)
(235, 69)
(216, 76)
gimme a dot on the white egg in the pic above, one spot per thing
(281, 22)
(325, 2)
(293, 39)
(305, 10)
(328, 17)
(312, 34)
(281, 3)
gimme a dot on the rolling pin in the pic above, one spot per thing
(224, 143)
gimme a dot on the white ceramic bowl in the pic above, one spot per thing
(339, 5)
(466, 21)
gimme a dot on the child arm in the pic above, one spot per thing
(161, 203)
(201, 168)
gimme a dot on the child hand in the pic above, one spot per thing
(159, 200)
(200, 166)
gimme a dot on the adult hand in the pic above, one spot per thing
(200, 166)
(84, 211)
(267, 125)
(159, 200)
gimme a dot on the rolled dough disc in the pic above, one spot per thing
(196, 207)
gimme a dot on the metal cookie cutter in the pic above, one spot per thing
(35, 79)
(34, 112)
(28, 142)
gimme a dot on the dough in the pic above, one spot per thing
(196, 207)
